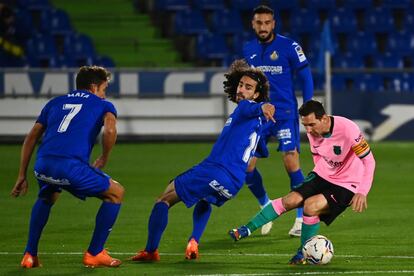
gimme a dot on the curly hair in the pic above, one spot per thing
(240, 68)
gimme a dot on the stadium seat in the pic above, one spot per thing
(33, 4)
(281, 6)
(401, 42)
(397, 82)
(347, 60)
(402, 4)
(379, 20)
(211, 46)
(389, 60)
(371, 83)
(227, 22)
(171, 5)
(357, 4)
(208, 4)
(362, 43)
(104, 61)
(81, 48)
(40, 50)
(318, 5)
(343, 20)
(238, 41)
(189, 22)
(305, 21)
(55, 22)
(244, 5)
(23, 25)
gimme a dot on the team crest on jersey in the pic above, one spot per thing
(337, 150)
(274, 55)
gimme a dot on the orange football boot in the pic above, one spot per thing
(30, 261)
(145, 256)
(101, 260)
(191, 252)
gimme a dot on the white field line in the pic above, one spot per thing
(217, 254)
(366, 272)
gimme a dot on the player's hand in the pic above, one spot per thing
(269, 111)
(20, 188)
(359, 203)
(100, 162)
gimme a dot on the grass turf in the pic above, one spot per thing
(378, 241)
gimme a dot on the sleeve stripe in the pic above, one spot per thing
(361, 149)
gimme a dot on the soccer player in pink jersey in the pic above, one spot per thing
(342, 176)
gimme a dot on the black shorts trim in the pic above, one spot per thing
(338, 197)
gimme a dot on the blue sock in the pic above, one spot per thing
(156, 225)
(255, 183)
(105, 219)
(296, 178)
(38, 220)
(201, 214)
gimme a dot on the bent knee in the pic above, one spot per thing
(310, 208)
(115, 193)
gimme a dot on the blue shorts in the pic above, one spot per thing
(205, 182)
(286, 132)
(74, 176)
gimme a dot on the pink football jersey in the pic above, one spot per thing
(338, 157)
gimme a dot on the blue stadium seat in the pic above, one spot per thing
(389, 60)
(227, 22)
(104, 61)
(400, 83)
(401, 42)
(211, 46)
(402, 4)
(40, 50)
(238, 41)
(317, 5)
(362, 43)
(79, 47)
(33, 4)
(208, 4)
(305, 21)
(358, 4)
(283, 5)
(55, 21)
(343, 20)
(347, 60)
(189, 22)
(23, 24)
(244, 5)
(371, 83)
(171, 5)
(379, 20)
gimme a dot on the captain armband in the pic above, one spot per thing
(362, 148)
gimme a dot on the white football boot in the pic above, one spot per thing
(296, 230)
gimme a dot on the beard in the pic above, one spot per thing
(264, 39)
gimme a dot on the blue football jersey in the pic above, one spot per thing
(279, 60)
(72, 123)
(238, 140)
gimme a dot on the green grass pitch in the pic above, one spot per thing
(379, 241)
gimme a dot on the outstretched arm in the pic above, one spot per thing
(108, 140)
(21, 186)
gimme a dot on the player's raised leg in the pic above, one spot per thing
(96, 255)
(269, 213)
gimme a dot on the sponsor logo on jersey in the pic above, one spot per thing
(228, 122)
(299, 52)
(274, 55)
(332, 163)
(284, 134)
(220, 189)
(271, 69)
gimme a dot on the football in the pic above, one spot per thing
(318, 250)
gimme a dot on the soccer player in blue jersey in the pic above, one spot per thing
(220, 176)
(279, 58)
(69, 125)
